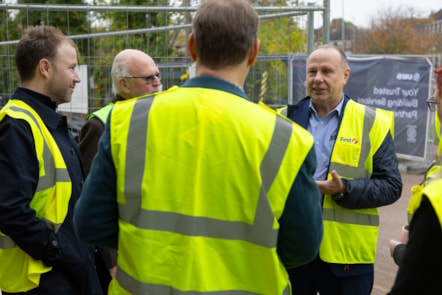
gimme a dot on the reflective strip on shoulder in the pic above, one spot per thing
(347, 216)
(282, 111)
(359, 171)
(52, 174)
(261, 232)
(6, 242)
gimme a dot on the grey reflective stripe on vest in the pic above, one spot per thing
(346, 216)
(342, 216)
(52, 174)
(6, 242)
(134, 287)
(261, 232)
(359, 171)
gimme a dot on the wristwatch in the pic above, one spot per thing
(340, 195)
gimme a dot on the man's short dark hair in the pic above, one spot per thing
(37, 42)
(224, 31)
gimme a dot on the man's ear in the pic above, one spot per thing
(346, 75)
(254, 52)
(123, 85)
(191, 47)
(44, 67)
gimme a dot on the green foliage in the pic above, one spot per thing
(69, 22)
(13, 25)
(278, 37)
(9, 77)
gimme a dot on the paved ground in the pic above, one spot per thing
(391, 219)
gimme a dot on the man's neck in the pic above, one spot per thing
(235, 75)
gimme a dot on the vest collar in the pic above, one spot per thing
(215, 83)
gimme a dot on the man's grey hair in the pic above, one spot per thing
(120, 69)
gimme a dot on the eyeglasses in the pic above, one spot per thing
(431, 103)
(149, 79)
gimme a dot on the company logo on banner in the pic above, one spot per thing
(397, 84)
(410, 77)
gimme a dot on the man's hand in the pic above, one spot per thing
(113, 271)
(401, 238)
(331, 186)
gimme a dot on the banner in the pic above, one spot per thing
(400, 85)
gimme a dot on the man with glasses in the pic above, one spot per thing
(431, 103)
(420, 258)
(134, 73)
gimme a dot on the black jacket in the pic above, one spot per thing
(420, 269)
(73, 261)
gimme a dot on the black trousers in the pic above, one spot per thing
(332, 279)
(102, 271)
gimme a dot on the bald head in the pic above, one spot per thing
(128, 69)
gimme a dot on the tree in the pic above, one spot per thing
(106, 47)
(396, 31)
(9, 77)
(13, 25)
(279, 36)
(69, 22)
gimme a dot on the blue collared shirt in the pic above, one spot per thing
(324, 131)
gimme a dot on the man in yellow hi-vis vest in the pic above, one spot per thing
(134, 73)
(41, 175)
(420, 268)
(201, 190)
(357, 172)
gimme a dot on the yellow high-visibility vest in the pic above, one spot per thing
(19, 272)
(282, 111)
(433, 191)
(199, 204)
(350, 235)
(438, 132)
(433, 173)
(103, 113)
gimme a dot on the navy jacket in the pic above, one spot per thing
(73, 261)
(383, 188)
(385, 185)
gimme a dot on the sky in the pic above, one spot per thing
(360, 12)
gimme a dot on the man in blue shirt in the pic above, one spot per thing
(357, 171)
